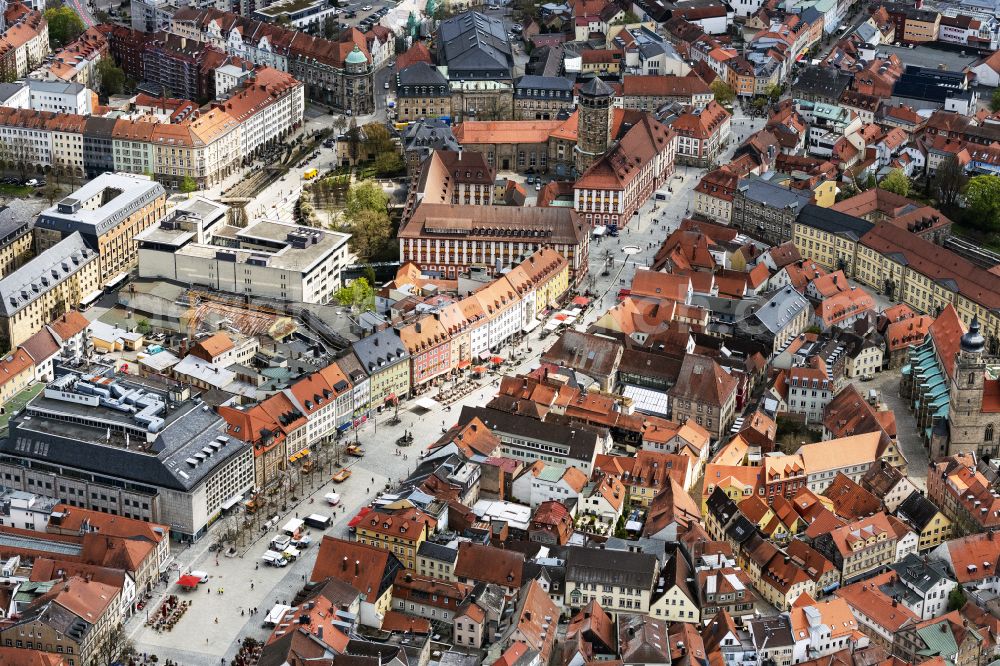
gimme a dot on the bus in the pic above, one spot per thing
(310, 173)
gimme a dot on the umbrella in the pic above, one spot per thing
(496, 360)
(188, 581)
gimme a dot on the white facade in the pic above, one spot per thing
(60, 97)
(305, 270)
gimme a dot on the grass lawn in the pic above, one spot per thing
(18, 402)
(16, 190)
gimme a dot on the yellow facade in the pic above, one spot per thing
(405, 549)
(826, 193)
(675, 606)
(549, 291)
(51, 304)
(936, 532)
(392, 380)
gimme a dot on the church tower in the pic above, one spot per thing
(967, 427)
(594, 123)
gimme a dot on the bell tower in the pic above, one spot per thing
(965, 411)
(594, 123)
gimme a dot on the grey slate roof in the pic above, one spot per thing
(44, 272)
(602, 567)
(15, 219)
(188, 430)
(773, 195)
(532, 82)
(380, 350)
(917, 510)
(475, 45)
(580, 441)
(781, 308)
(835, 222)
(438, 552)
(920, 574)
(420, 74)
(429, 135)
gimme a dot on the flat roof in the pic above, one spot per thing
(134, 192)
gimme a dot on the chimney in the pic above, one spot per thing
(357, 567)
(344, 565)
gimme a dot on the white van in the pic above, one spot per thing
(280, 542)
(274, 559)
(201, 575)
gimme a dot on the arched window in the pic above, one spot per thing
(972, 378)
(988, 436)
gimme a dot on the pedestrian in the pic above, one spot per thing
(242, 613)
(256, 566)
(209, 590)
(251, 586)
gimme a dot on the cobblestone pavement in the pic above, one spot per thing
(887, 382)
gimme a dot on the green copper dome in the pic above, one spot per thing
(356, 57)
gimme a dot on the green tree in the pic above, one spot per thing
(774, 92)
(724, 93)
(365, 196)
(143, 327)
(356, 294)
(896, 182)
(956, 598)
(949, 181)
(370, 231)
(65, 25)
(377, 139)
(111, 76)
(629, 18)
(995, 100)
(983, 196)
(388, 164)
(188, 185)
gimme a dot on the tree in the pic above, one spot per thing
(724, 93)
(188, 185)
(365, 196)
(774, 92)
(629, 18)
(388, 164)
(111, 76)
(949, 181)
(52, 190)
(983, 196)
(956, 598)
(116, 648)
(356, 294)
(370, 230)
(995, 100)
(377, 139)
(353, 141)
(65, 25)
(896, 182)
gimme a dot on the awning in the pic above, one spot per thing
(581, 301)
(484, 355)
(462, 365)
(599, 230)
(231, 502)
(358, 518)
(189, 581)
(427, 404)
(304, 452)
(480, 369)
(530, 326)
(293, 457)
(343, 426)
(391, 398)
